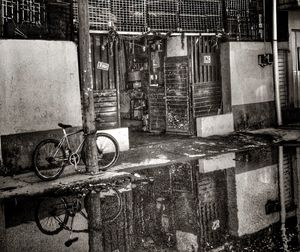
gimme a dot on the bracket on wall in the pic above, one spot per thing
(265, 59)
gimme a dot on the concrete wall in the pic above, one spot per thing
(39, 85)
(246, 86)
(250, 83)
(254, 188)
(250, 185)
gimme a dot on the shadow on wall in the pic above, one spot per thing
(17, 150)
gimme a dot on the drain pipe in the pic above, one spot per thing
(275, 65)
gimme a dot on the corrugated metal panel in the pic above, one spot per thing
(106, 111)
(283, 73)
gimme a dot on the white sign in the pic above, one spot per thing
(102, 66)
(206, 59)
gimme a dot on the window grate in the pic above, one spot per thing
(201, 15)
(99, 14)
(162, 15)
(129, 15)
(23, 11)
(243, 19)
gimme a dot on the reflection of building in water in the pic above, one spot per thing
(189, 206)
(184, 208)
(195, 205)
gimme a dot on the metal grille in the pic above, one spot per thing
(99, 14)
(201, 15)
(130, 15)
(162, 15)
(242, 19)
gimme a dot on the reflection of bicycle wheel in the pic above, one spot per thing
(111, 204)
(49, 160)
(51, 215)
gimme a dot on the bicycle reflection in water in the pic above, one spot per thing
(52, 215)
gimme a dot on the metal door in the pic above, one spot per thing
(177, 95)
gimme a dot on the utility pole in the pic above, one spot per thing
(87, 87)
(93, 198)
(94, 222)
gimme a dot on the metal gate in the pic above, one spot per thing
(106, 83)
(177, 95)
(205, 76)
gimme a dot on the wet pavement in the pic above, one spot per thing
(232, 201)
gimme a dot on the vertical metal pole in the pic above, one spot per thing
(275, 65)
(297, 189)
(93, 209)
(282, 196)
(117, 74)
(3, 244)
(87, 87)
(297, 102)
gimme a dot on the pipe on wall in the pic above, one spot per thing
(275, 65)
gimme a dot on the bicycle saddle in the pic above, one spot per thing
(64, 126)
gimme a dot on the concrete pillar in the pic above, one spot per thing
(3, 245)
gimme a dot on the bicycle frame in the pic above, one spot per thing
(65, 139)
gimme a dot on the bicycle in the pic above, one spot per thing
(52, 214)
(51, 155)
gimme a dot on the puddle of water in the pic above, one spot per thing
(243, 201)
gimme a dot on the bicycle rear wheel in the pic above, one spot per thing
(108, 150)
(51, 215)
(49, 159)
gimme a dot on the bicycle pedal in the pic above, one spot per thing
(69, 242)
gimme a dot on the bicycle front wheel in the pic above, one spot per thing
(51, 215)
(108, 150)
(49, 159)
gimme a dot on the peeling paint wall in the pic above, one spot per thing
(39, 85)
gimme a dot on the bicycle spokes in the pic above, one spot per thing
(107, 151)
(51, 216)
(49, 159)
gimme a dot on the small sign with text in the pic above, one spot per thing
(102, 66)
